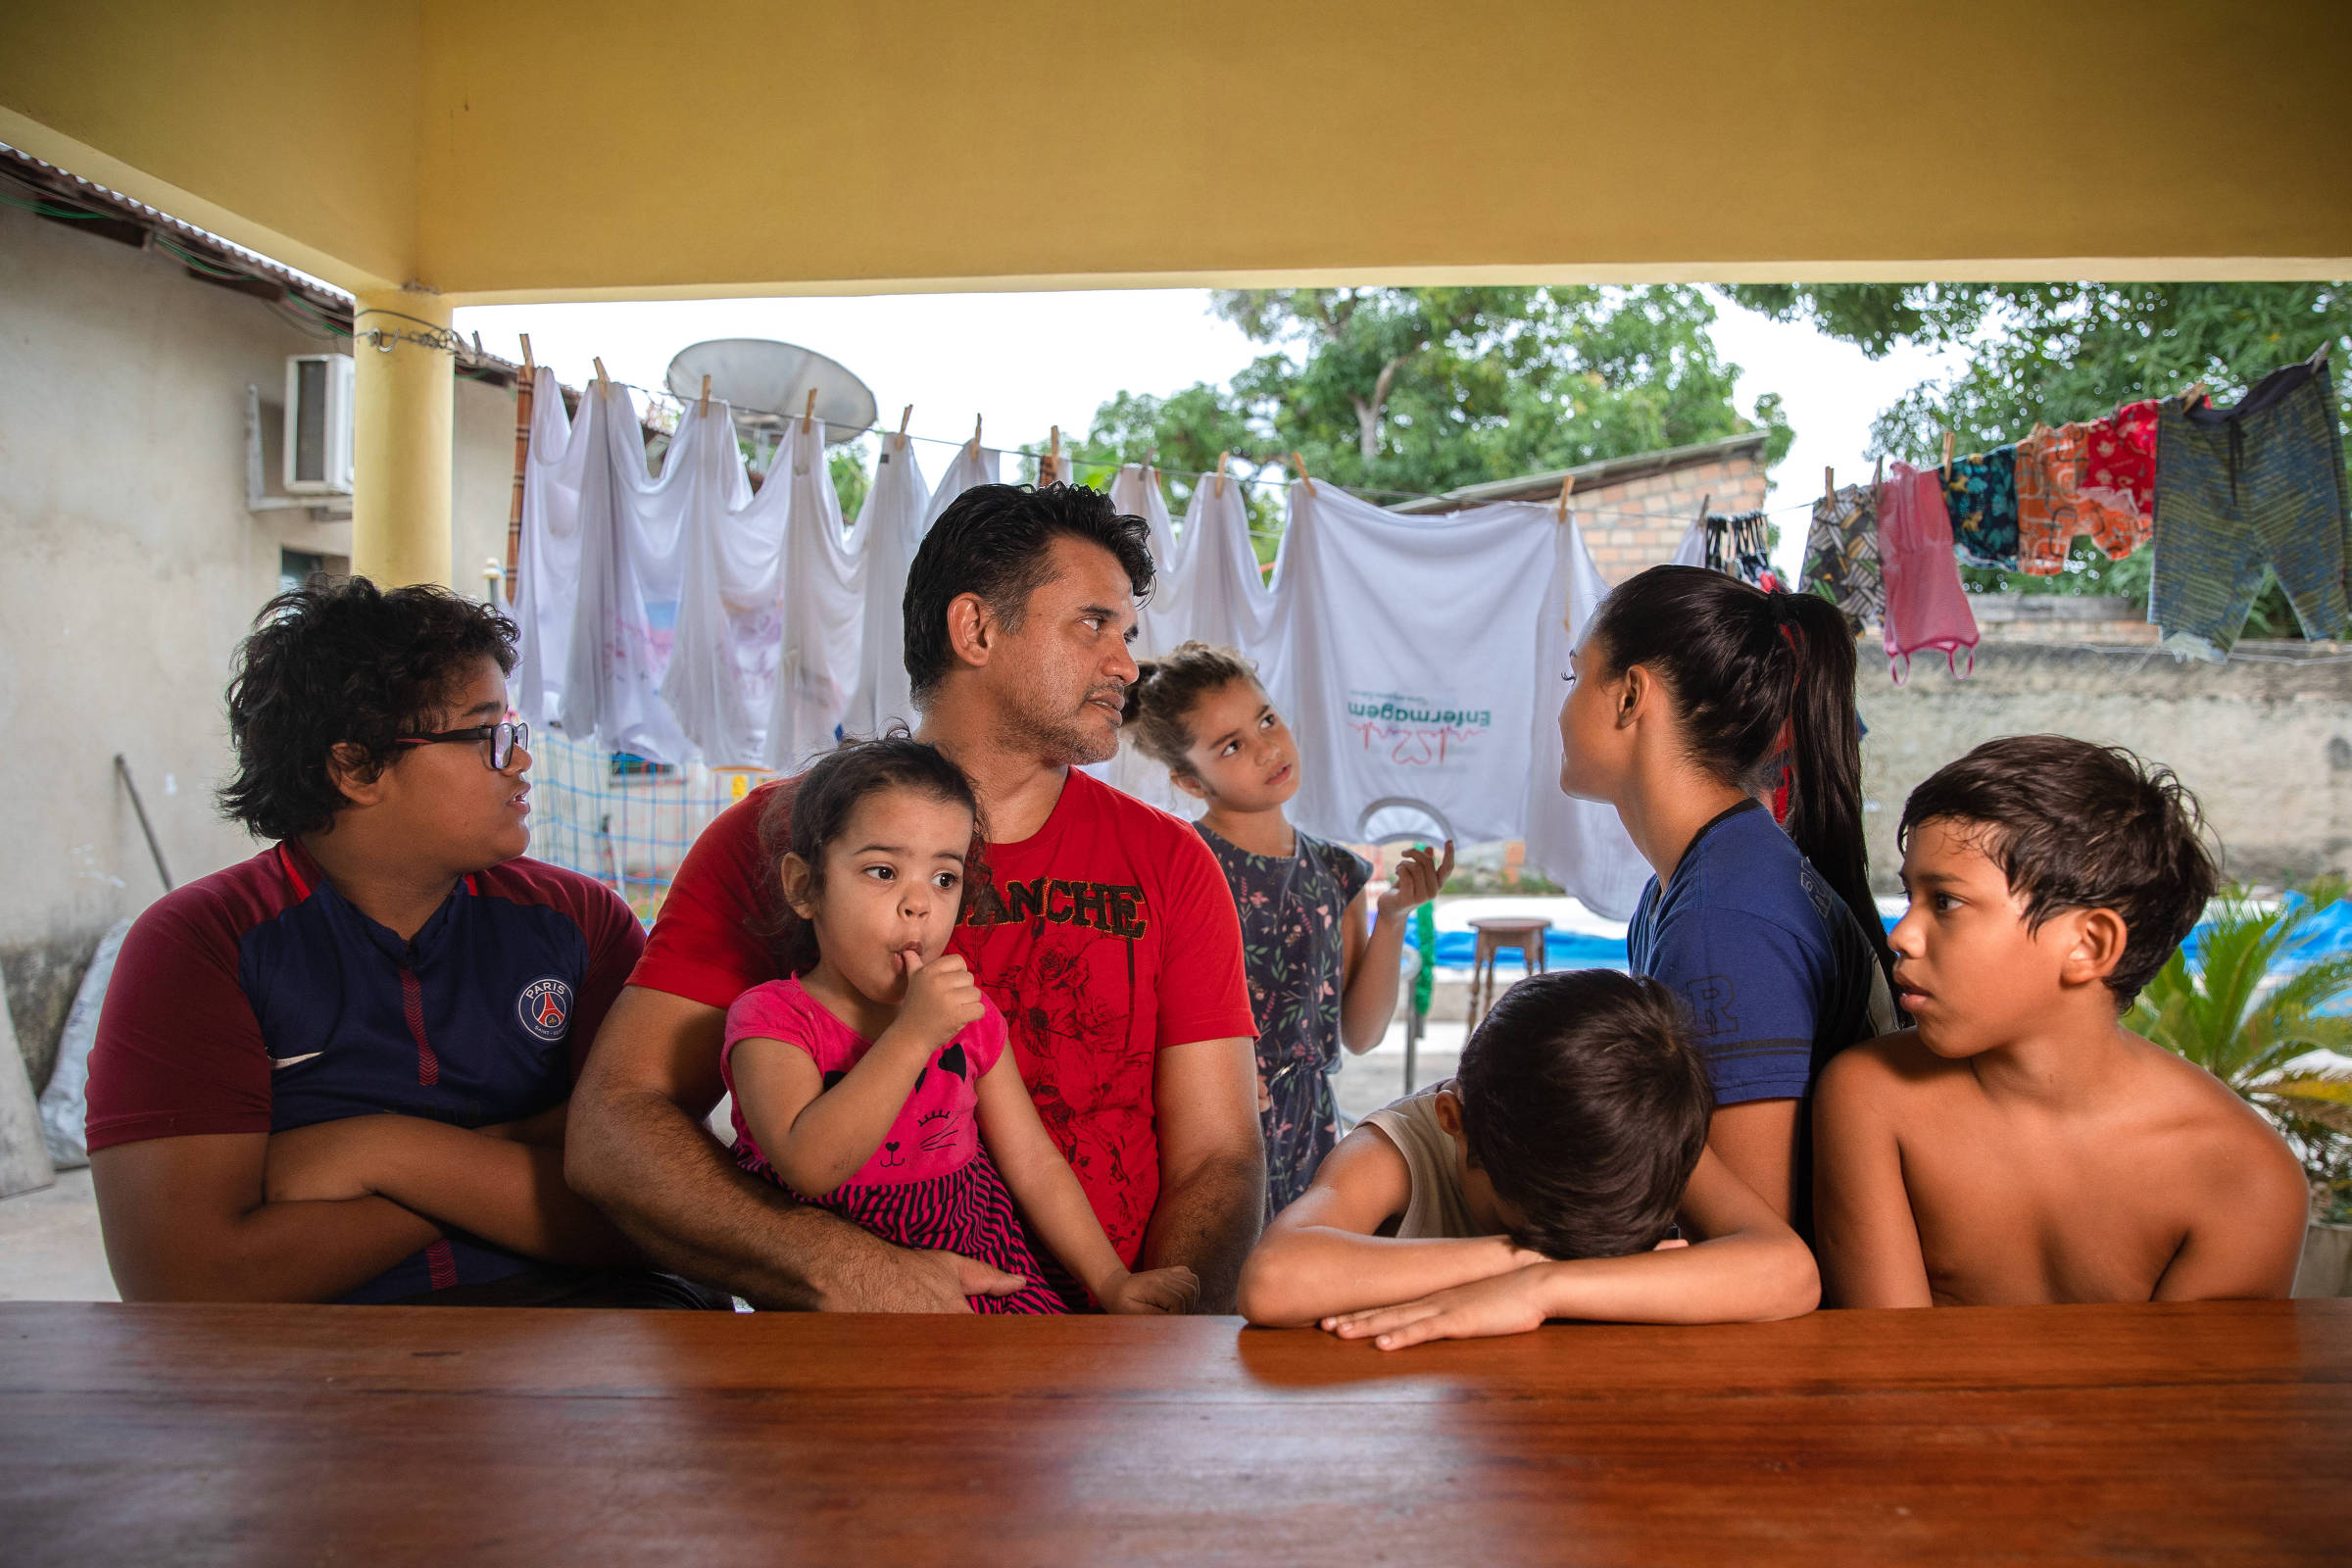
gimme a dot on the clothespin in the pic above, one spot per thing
(1567, 484)
(603, 383)
(2188, 399)
(704, 404)
(528, 368)
(1223, 458)
(1299, 466)
(1829, 481)
(1948, 453)
(975, 448)
(808, 409)
(902, 418)
(1052, 472)
(479, 355)
(1878, 476)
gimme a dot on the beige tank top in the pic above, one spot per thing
(1436, 1210)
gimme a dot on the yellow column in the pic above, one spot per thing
(403, 414)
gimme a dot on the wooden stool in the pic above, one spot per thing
(1495, 936)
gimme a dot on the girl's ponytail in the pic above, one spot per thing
(1824, 755)
(1761, 682)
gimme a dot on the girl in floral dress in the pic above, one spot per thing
(1321, 974)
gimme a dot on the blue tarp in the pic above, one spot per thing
(2327, 935)
(1562, 950)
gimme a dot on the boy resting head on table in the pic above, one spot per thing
(1544, 1181)
(2020, 1145)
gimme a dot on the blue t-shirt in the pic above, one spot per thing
(1768, 962)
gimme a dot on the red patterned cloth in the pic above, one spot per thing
(2120, 456)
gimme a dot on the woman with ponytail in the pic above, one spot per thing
(1696, 699)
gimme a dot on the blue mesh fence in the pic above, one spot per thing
(624, 821)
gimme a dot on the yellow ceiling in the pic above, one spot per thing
(526, 150)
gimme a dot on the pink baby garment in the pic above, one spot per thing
(1926, 606)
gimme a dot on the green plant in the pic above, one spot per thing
(2227, 1016)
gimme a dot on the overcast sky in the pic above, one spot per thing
(1026, 362)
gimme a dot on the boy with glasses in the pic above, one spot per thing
(339, 1070)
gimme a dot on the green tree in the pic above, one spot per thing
(2050, 353)
(847, 463)
(1397, 392)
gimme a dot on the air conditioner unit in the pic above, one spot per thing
(319, 424)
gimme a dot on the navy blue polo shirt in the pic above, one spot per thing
(258, 1000)
(1776, 975)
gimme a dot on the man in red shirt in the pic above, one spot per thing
(1101, 929)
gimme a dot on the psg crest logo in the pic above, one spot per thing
(545, 1007)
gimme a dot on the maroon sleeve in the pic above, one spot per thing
(704, 945)
(1203, 988)
(178, 1051)
(615, 941)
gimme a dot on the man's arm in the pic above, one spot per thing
(637, 1148)
(508, 1192)
(1319, 1257)
(185, 1219)
(1749, 1268)
(1212, 1166)
(1862, 1221)
(2252, 1208)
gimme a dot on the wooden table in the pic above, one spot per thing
(2216, 1432)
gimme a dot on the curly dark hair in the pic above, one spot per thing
(1586, 1106)
(993, 541)
(336, 662)
(2078, 826)
(806, 814)
(1165, 691)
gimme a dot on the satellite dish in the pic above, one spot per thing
(767, 384)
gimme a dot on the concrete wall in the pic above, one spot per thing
(130, 569)
(2265, 740)
(1635, 524)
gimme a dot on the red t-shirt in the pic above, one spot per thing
(1105, 938)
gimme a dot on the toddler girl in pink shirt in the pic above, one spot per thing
(875, 1082)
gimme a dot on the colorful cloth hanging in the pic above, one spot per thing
(1980, 496)
(1841, 554)
(1926, 607)
(2049, 471)
(2245, 488)
(2119, 466)
(1740, 545)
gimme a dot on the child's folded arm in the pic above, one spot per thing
(1862, 1220)
(1319, 1257)
(191, 1219)
(509, 1194)
(1751, 1268)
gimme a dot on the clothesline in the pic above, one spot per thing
(878, 428)
(683, 616)
(2241, 495)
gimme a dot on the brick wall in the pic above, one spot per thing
(1632, 523)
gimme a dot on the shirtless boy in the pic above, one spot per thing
(2020, 1145)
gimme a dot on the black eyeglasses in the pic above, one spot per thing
(503, 739)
